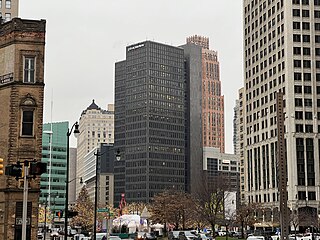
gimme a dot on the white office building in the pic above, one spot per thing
(281, 54)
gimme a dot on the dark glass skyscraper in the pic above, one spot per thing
(150, 121)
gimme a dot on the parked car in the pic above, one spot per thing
(150, 236)
(140, 235)
(114, 238)
(256, 237)
(100, 236)
(205, 236)
(40, 235)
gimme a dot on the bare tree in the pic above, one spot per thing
(210, 200)
(172, 207)
(245, 215)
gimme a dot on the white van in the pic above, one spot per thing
(255, 238)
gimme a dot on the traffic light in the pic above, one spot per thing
(72, 214)
(14, 170)
(1, 166)
(37, 168)
(59, 214)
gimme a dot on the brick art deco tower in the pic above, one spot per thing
(21, 113)
(212, 100)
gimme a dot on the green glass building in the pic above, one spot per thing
(54, 150)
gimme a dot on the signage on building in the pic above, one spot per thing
(6, 78)
(19, 221)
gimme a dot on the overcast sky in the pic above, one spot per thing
(86, 37)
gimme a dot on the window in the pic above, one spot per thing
(296, 12)
(297, 50)
(305, 2)
(307, 102)
(307, 76)
(297, 63)
(306, 38)
(296, 25)
(8, 4)
(0, 5)
(29, 70)
(306, 51)
(299, 127)
(7, 17)
(306, 63)
(298, 102)
(308, 115)
(305, 13)
(297, 76)
(317, 2)
(298, 115)
(307, 89)
(317, 26)
(27, 123)
(296, 38)
(317, 51)
(317, 38)
(297, 89)
(317, 14)
(309, 128)
(305, 25)
(295, 1)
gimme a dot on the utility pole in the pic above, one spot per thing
(282, 170)
(25, 200)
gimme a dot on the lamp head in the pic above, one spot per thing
(76, 131)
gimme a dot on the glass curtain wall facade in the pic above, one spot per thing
(55, 179)
(150, 121)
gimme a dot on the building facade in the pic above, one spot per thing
(9, 9)
(224, 165)
(204, 107)
(150, 121)
(212, 98)
(96, 126)
(54, 153)
(22, 54)
(282, 54)
(105, 175)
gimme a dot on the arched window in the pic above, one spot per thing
(27, 107)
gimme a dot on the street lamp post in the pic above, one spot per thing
(48, 197)
(76, 132)
(98, 154)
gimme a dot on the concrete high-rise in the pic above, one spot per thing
(22, 52)
(105, 184)
(96, 126)
(281, 54)
(150, 121)
(9, 9)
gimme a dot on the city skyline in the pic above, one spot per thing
(101, 31)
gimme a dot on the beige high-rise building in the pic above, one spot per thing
(9, 9)
(281, 54)
(96, 126)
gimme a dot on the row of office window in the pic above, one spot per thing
(306, 38)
